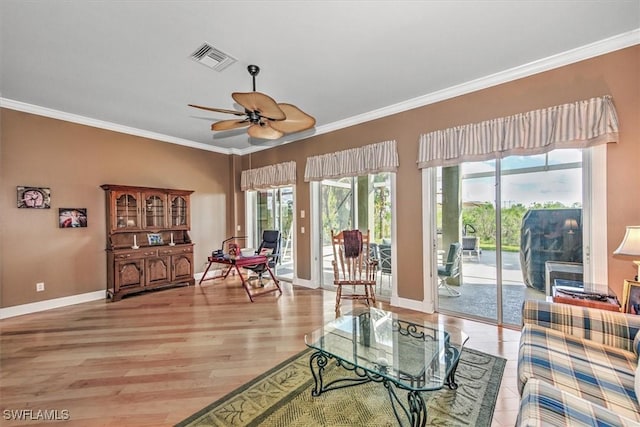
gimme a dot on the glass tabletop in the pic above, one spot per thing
(413, 355)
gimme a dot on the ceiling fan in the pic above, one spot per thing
(266, 118)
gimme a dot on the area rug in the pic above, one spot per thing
(282, 397)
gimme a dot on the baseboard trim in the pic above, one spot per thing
(305, 283)
(411, 304)
(34, 307)
(210, 275)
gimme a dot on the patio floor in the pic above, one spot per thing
(478, 290)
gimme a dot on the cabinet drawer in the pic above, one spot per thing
(141, 253)
(175, 250)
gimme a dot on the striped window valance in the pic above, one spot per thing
(372, 158)
(268, 176)
(576, 125)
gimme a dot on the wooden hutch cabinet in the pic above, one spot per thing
(148, 243)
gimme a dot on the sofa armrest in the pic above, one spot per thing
(602, 326)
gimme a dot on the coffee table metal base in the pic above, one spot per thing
(415, 411)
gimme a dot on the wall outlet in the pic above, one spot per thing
(40, 287)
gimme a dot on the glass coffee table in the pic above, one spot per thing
(377, 345)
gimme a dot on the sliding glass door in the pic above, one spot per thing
(273, 209)
(338, 210)
(515, 219)
(363, 203)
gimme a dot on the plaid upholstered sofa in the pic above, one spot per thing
(578, 366)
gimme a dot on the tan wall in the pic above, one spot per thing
(615, 73)
(74, 160)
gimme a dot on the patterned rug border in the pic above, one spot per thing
(487, 407)
(240, 389)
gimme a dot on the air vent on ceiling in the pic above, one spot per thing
(212, 57)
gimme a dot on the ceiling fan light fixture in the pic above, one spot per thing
(266, 118)
(259, 104)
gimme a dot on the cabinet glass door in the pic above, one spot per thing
(126, 211)
(154, 211)
(179, 212)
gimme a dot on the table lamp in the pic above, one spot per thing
(630, 244)
(571, 225)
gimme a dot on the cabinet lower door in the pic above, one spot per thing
(182, 267)
(157, 271)
(129, 274)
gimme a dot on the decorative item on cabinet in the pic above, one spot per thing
(140, 220)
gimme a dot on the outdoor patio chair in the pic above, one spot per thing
(450, 269)
(471, 246)
(385, 260)
(352, 266)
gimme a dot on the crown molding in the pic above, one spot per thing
(600, 47)
(88, 121)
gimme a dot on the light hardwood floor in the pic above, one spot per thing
(156, 358)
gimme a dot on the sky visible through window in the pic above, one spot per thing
(540, 186)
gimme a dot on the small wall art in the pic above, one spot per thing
(72, 217)
(34, 197)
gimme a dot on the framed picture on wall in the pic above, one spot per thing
(72, 217)
(34, 197)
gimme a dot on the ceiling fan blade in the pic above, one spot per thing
(230, 124)
(264, 131)
(219, 110)
(296, 121)
(260, 103)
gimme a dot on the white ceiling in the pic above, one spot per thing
(125, 65)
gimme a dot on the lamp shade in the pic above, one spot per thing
(571, 225)
(631, 242)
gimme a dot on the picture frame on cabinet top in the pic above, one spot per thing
(155, 239)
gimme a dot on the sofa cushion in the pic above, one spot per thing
(600, 374)
(545, 405)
